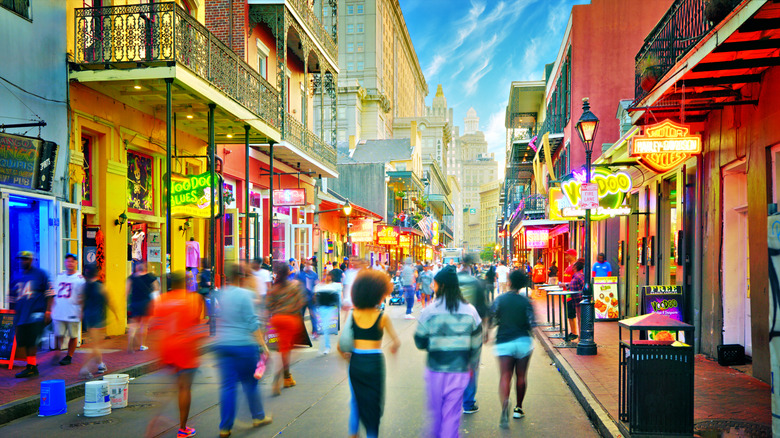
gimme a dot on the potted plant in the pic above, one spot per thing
(716, 10)
(400, 194)
(649, 70)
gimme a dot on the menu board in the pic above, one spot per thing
(664, 300)
(605, 297)
(7, 338)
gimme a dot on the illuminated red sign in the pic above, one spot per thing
(536, 238)
(386, 235)
(289, 197)
(665, 146)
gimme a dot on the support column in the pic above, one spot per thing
(271, 201)
(212, 176)
(246, 191)
(168, 168)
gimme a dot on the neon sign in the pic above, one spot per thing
(387, 235)
(289, 197)
(665, 146)
(536, 238)
(612, 189)
(191, 195)
(435, 233)
(405, 240)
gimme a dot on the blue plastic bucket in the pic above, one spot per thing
(52, 398)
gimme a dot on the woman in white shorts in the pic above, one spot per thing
(514, 316)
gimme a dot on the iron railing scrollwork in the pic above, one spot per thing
(308, 142)
(164, 32)
(313, 23)
(680, 29)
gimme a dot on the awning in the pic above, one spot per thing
(406, 180)
(537, 223)
(329, 201)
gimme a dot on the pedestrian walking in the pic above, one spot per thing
(514, 316)
(309, 279)
(366, 328)
(142, 286)
(32, 309)
(237, 345)
(576, 284)
(94, 320)
(552, 274)
(408, 275)
(502, 275)
(425, 280)
(473, 290)
(450, 330)
(284, 303)
(176, 316)
(327, 298)
(490, 281)
(67, 308)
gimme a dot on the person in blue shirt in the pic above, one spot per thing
(602, 268)
(33, 293)
(308, 278)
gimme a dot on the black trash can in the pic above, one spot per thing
(656, 376)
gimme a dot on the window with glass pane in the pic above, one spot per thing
(360, 28)
(21, 7)
(228, 228)
(86, 187)
(359, 9)
(350, 28)
(279, 240)
(350, 47)
(69, 226)
(350, 10)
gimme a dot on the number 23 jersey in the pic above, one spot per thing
(68, 290)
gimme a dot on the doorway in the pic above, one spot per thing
(734, 260)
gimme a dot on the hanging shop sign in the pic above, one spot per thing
(665, 146)
(27, 162)
(362, 230)
(289, 197)
(191, 195)
(537, 238)
(405, 240)
(565, 203)
(665, 300)
(434, 233)
(387, 235)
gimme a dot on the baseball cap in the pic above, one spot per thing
(291, 260)
(25, 255)
(71, 255)
(571, 252)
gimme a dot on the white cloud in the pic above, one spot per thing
(438, 62)
(495, 135)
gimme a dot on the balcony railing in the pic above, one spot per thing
(446, 229)
(533, 205)
(315, 25)
(681, 28)
(164, 32)
(308, 142)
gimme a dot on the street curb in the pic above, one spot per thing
(29, 405)
(597, 414)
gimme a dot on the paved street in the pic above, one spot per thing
(319, 404)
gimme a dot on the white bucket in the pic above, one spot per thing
(118, 387)
(97, 401)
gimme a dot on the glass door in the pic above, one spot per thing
(280, 241)
(231, 235)
(302, 241)
(5, 265)
(70, 232)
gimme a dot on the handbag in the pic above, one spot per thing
(347, 338)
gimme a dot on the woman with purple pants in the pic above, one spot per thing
(450, 330)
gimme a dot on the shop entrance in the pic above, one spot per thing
(28, 224)
(734, 262)
(302, 242)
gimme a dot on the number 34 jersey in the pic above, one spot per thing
(68, 290)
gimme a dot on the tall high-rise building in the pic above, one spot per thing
(490, 194)
(380, 78)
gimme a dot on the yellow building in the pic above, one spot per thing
(489, 210)
(153, 83)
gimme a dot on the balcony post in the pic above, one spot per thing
(168, 167)
(246, 191)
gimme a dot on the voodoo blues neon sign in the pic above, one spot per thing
(612, 189)
(191, 195)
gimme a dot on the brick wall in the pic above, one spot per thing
(218, 14)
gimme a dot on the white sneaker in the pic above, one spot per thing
(143, 348)
(102, 368)
(409, 316)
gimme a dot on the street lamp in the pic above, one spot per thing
(586, 128)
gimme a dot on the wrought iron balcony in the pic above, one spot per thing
(534, 205)
(680, 29)
(447, 230)
(149, 34)
(308, 142)
(315, 25)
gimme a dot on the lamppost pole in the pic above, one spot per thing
(586, 127)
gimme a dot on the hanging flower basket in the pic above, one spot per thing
(650, 77)
(716, 10)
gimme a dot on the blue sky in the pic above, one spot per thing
(476, 48)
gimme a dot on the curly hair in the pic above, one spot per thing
(370, 288)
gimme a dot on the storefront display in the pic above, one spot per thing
(605, 295)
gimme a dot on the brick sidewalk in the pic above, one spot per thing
(720, 393)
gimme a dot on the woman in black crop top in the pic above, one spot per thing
(366, 362)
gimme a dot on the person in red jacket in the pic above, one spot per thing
(539, 273)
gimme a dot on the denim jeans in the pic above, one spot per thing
(237, 364)
(326, 316)
(470, 393)
(409, 297)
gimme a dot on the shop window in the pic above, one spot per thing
(20, 7)
(229, 230)
(140, 192)
(86, 187)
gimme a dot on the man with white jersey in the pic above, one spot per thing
(67, 310)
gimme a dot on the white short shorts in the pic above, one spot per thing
(68, 329)
(517, 348)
